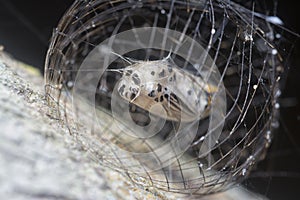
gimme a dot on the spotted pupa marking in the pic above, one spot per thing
(184, 96)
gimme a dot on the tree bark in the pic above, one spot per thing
(39, 159)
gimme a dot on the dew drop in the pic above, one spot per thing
(278, 36)
(279, 69)
(70, 84)
(278, 93)
(250, 158)
(275, 124)
(244, 172)
(200, 164)
(202, 138)
(268, 136)
(213, 31)
(274, 51)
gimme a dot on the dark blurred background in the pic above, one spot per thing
(25, 31)
(26, 27)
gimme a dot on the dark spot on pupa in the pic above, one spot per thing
(136, 79)
(121, 89)
(161, 98)
(152, 93)
(159, 87)
(134, 90)
(206, 106)
(156, 99)
(162, 73)
(152, 73)
(132, 96)
(189, 92)
(174, 96)
(166, 96)
(128, 72)
(174, 101)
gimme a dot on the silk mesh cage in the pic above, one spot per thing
(179, 95)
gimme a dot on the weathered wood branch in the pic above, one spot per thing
(39, 159)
